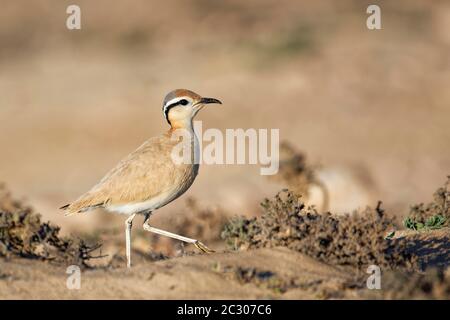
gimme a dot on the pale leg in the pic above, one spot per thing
(128, 225)
(195, 242)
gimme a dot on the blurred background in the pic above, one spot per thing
(370, 109)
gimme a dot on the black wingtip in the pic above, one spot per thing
(65, 207)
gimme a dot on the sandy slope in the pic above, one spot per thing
(191, 277)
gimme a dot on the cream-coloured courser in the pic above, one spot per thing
(149, 178)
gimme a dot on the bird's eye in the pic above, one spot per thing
(183, 102)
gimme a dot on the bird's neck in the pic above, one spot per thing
(188, 136)
(181, 124)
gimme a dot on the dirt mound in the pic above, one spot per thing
(23, 234)
(356, 240)
(297, 174)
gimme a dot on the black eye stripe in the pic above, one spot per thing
(182, 102)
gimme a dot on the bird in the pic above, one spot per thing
(149, 178)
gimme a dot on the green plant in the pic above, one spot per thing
(431, 223)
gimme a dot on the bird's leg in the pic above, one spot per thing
(195, 242)
(128, 225)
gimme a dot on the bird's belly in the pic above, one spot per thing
(135, 207)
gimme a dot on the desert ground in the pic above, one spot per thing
(365, 112)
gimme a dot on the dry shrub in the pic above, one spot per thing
(23, 234)
(433, 215)
(357, 239)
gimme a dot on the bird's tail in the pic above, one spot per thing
(81, 205)
(67, 209)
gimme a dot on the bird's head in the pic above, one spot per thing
(180, 107)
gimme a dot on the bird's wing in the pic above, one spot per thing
(142, 175)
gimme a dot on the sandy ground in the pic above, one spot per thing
(267, 273)
(191, 277)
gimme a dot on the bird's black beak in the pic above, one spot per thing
(209, 100)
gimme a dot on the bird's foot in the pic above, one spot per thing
(200, 246)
